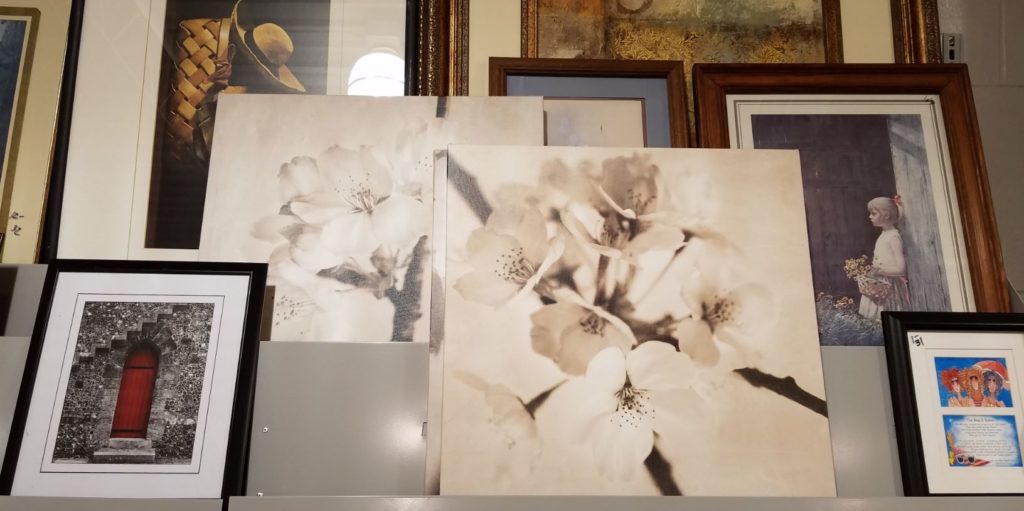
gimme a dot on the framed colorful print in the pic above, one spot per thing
(33, 39)
(955, 379)
(659, 83)
(139, 381)
(895, 188)
(144, 143)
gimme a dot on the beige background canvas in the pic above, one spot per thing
(738, 441)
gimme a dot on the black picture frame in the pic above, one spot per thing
(237, 434)
(62, 134)
(912, 336)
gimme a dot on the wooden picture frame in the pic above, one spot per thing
(942, 90)
(182, 337)
(955, 382)
(672, 72)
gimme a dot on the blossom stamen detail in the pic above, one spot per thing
(513, 267)
(633, 406)
(721, 312)
(359, 195)
(593, 324)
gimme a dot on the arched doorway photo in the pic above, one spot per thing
(135, 395)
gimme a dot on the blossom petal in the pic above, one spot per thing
(510, 414)
(549, 323)
(311, 255)
(526, 225)
(400, 219)
(488, 251)
(272, 228)
(621, 448)
(350, 234)
(485, 287)
(299, 177)
(656, 365)
(582, 235)
(753, 308)
(654, 237)
(696, 341)
(351, 173)
(319, 208)
(606, 373)
(573, 183)
(554, 252)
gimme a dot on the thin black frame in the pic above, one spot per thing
(62, 135)
(237, 457)
(895, 326)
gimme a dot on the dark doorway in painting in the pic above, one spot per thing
(135, 396)
(846, 162)
(840, 176)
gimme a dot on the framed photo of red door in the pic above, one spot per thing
(139, 381)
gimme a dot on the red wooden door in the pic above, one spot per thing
(135, 397)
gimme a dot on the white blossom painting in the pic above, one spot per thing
(631, 322)
(336, 194)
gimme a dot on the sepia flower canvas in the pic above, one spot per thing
(336, 194)
(629, 321)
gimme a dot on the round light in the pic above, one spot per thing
(379, 73)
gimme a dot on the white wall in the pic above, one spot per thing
(993, 48)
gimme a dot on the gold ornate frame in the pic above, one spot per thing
(829, 10)
(10, 160)
(443, 39)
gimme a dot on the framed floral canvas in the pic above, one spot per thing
(613, 324)
(343, 213)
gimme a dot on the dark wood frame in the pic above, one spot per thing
(669, 70)
(901, 381)
(714, 82)
(237, 456)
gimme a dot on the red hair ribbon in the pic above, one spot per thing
(898, 200)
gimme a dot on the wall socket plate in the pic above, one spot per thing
(952, 47)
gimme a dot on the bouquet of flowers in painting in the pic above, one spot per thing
(614, 324)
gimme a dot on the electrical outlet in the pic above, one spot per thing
(952, 47)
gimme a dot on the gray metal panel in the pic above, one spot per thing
(20, 288)
(621, 504)
(82, 504)
(861, 421)
(13, 352)
(339, 419)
